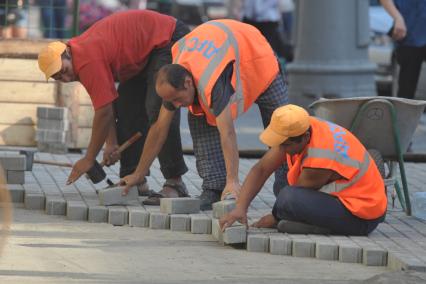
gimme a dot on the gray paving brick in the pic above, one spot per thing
(183, 205)
(236, 234)
(180, 222)
(258, 242)
(372, 253)
(58, 124)
(76, 210)
(118, 215)
(349, 251)
(57, 113)
(17, 193)
(325, 247)
(280, 244)
(222, 207)
(303, 246)
(47, 136)
(54, 148)
(34, 201)
(97, 214)
(138, 216)
(405, 261)
(13, 162)
(113, 196)
(55, 205)
(201, 224)
(158, 220)
(15, 177)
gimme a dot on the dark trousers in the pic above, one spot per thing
(410, 61)
(137, 108)
(320, 209)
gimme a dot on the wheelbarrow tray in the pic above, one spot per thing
(375, 128)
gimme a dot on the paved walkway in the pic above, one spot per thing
(399, 243)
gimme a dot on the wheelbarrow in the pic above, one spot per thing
(386, 124)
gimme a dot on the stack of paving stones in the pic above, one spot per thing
(398, 243)
(52, 129)
(14, 165)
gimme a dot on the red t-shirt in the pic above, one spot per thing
(117, 48)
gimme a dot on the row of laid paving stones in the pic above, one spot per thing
(399, 243)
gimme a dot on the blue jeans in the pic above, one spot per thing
(320, 209)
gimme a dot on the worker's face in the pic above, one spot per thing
(177, 97)
(66, 74)
(296, 147)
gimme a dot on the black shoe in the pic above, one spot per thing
(291, 227)
(208, 197)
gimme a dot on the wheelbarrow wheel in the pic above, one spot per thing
(378, 159)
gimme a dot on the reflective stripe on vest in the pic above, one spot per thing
(337, 187)
(237, 98)
(328, 154)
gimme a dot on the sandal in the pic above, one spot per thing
(171, 189)
(143, 189)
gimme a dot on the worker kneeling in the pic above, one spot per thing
(334, 184)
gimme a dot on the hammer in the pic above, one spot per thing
(96, 173)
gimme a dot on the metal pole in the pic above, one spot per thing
(75, 30)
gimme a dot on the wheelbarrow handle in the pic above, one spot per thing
(60, 164)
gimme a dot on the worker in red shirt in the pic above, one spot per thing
(129, 48)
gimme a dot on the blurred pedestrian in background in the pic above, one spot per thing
(13, 18)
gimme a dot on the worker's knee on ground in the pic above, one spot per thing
(286, 199)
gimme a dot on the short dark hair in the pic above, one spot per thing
(298, 139)
(174, 74)
(66, 55)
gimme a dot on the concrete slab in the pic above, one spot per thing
(201, 224)
(258, 242)
(55, 205)
(34, 201)
(118, 215)
(138, 216)
(280, 244)
(76, 210)
(158, 220)
(222, 207)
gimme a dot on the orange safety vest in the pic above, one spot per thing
(362, 191)
(209, 48)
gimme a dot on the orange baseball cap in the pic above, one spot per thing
(49, 58)
(286, 121)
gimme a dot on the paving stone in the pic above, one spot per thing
(118, 215)
(58, 124)
(404, 261)
(325, 247)
(303, 247)
(222, 207)
(48, 135)
(183, 205)
(280, 244)
(76, 210)
(17, 193)
(54, 148)
(57, 113)
(258, 242)
(236, 234)
(114, 196)
(138, 216)
(158, 220)
(13, 162)
(55, 205)
(15, 177)
(201, 224)
(372, 253)
(180, 222)
(98, 214)
(34, 201)
(349, 251)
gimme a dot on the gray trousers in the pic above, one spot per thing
(206, 139)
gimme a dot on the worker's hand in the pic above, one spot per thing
(237, 214)
(267, 221)
(231, 191)
(80, 167)
(111, 155)
(130, 180)
(399, 29)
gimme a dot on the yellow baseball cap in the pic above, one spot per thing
(49, 58)
(286, 121)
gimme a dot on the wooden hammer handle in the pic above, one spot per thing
(68, 165)
(126, 144)
(129, 142)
